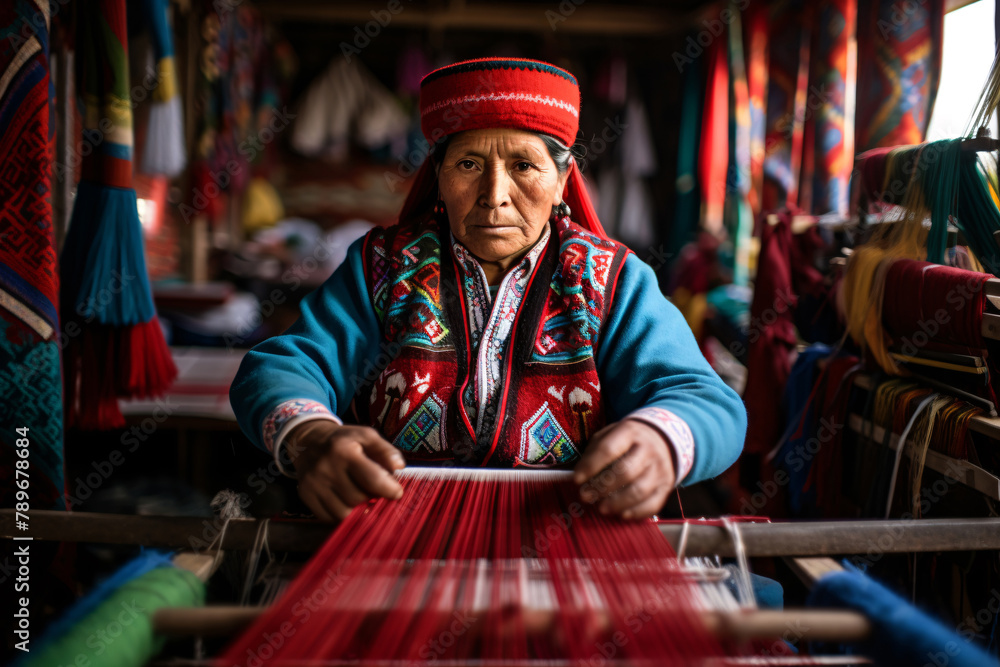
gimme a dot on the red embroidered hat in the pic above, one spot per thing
(502, 92)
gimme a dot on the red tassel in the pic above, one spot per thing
(104, 364)
(146, 366)
(91, 400)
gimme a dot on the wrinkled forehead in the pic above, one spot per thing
(499, 143)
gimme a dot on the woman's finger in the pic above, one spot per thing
(382, 452)
(649, 506)
(347, 490)
(308, 496)
(636, 492)
(333, 503)
(601, 452)
(372, 479)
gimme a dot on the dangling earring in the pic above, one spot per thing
(439, 210)
(561, 211)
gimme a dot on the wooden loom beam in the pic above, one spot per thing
(805, 538)
(740, 625)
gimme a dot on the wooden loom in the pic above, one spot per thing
(693, 539)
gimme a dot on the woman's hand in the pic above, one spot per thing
(627, 469)
(341, 467)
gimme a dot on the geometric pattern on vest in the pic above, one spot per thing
(550, 402)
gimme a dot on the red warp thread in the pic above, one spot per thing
(485, 569)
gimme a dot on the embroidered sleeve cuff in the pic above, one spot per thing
(677, 433)
(279, 423)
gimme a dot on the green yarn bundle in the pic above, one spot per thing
(118, 632)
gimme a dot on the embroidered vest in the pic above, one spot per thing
(550, 399)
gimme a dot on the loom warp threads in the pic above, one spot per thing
(494, 567)
(924, 421)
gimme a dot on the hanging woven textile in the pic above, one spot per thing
(30, 379)
(829, 133)
(227, 94)
(714, 154)
(120, 350)
(902, 68)
(738, 215)
(164, 151)
(787, 79)
(686, 209)
(756, 64)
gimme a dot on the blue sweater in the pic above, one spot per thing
(647, 357)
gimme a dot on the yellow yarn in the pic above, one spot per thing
(864, 278)
(262, 206)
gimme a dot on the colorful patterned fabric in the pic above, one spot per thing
(829, 156)
(571, 319)
(537, 339)
(677, 433)
(756, 65)
(787, 81)
(30, 377)
(645, 357)
(290, 413)
(236, 95)
(899, 82)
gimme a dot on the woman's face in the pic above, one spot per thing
(499, 187)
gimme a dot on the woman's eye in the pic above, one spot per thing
(467, 164)
(523, 166)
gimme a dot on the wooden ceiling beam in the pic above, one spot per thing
(586, 18)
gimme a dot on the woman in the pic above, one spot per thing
(495, 325)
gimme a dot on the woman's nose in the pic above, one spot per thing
(495, 188)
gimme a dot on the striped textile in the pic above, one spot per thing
(30, 379)
(900, 43)
(829, 148)
(738, 215)
(788, 78)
